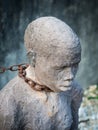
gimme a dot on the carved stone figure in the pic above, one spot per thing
(54, 54)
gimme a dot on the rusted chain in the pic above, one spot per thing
(13, 67)
(32, 84)
(21, 68)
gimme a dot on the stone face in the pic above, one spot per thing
(54, 52)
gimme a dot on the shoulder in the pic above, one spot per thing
(7, 92)
(17, 90)
(8, 88)
(16, 83)
(14, 88)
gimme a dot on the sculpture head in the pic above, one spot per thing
(54, 51)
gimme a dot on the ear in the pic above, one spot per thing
(32, 57)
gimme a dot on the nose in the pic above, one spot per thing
(69, 75)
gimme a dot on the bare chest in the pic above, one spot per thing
(52, 114)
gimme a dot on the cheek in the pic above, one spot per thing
(39, 72)
(45, 74)
(59, 74)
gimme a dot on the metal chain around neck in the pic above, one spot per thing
(34, 85)
(21, 68)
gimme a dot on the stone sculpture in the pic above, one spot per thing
(54, 54)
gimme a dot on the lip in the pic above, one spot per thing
(67, 84)
(64, 88)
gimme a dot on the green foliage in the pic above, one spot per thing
(89, 98)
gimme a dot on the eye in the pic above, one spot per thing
(63, 68)
(60, 68)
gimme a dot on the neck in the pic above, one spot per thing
(30, 73)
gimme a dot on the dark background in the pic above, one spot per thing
(81, 15)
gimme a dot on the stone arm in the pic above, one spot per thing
(77, 94)
(7, 109)
(11, 105)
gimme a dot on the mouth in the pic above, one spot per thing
(64, 88)
(67, 84)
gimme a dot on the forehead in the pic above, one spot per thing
(66, 56)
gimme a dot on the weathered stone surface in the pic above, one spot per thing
(54, 52)
(23, 108)
(56, 49)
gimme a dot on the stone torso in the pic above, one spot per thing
(37, 110)
(46, 112)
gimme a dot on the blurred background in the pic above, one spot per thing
(80, 15)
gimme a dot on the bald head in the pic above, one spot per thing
(47, 34)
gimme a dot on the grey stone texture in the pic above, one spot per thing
(54, 53)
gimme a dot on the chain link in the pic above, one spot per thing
(21, 68)
(13, 67)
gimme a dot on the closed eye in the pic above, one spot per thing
(75, 65)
